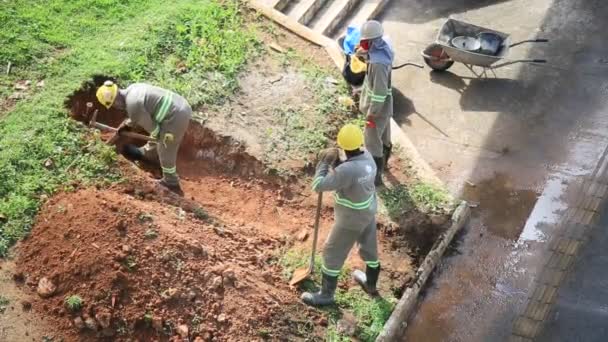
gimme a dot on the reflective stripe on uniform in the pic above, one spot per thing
(375, 97)
(332, 273)
(165, 104)
(161, 113)
(169, 170)
(352, 205)
(373, 264)
(316, 182)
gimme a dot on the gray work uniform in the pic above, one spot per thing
(354, 212)
(162, 113)
(377, 100)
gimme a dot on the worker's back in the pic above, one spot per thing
(359, 193)
(145, 101)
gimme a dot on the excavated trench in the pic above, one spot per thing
(202, 148)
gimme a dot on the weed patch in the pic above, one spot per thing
(423, 197)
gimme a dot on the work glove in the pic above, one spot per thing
(329, 155)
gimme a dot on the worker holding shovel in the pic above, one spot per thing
(376, 97)
(354, 214)
(162, 113)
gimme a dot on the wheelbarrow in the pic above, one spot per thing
(472, 45)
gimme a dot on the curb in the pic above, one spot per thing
(397, 322)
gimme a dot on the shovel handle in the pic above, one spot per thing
(316, 232)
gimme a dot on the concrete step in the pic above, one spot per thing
(334, 15)
(305, 10)
(279, 5)
(364, 11)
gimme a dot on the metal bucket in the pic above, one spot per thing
(489, 42)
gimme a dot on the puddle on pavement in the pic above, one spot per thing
(503, 208)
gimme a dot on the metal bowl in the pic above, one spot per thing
(466, 43)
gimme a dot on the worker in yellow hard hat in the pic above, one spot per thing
(354, 214)
(162, 113)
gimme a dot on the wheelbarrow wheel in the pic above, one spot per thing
(438, 65)
(435, 57)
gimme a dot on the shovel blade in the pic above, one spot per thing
(300, 275)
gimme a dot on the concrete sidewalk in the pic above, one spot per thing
(581, 309)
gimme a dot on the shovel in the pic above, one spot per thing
(302, 274)
(94, 124)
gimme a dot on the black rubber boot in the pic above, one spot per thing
(368, 280)
(379, 170)
(133, 152)
(325, 296)
(387, 151)
(175, 188)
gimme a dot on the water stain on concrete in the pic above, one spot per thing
(505, 208)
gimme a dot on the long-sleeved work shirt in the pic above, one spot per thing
(353, 183)
(376, 96)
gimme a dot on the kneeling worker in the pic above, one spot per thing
(354, 214)
(162, 113)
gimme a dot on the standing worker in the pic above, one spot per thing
(376, 98)
(354, 214)
(162, 113)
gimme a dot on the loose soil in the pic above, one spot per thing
(148, 264)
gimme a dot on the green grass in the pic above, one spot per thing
(423, 197)
(193, 47)
(74, 303)
(371, 314)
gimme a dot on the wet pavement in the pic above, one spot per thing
(517, 144)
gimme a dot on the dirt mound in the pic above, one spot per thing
(148, 270)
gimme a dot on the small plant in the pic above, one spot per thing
(74, 303)
(264, 333)
(201, 214)
(148, 318)
(151, 234)
(145, 217)
(3, 303)
(130, 263)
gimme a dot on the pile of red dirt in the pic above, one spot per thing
(152, 271)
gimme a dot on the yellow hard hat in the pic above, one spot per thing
(350, 137)
(357, 66)
(106, 94)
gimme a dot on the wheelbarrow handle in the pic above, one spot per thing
(539, 61)
(539, 40)
(410, 64)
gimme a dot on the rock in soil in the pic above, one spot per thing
(104, 319)
(91, 323)
(302, 235)
(79, 323)
(182, 331)
(46, 288)
(347, 325)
